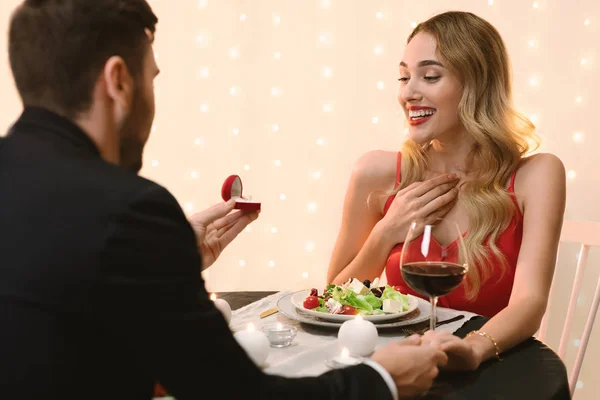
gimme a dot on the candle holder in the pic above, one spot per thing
(343, 360)
(280, 335)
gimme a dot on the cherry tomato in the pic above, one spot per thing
(348, 310)
(311, 302)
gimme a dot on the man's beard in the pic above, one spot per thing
(131, 152)
(131, 144)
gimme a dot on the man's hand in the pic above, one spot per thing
(413, 366)
(216, 227)
(461, 354)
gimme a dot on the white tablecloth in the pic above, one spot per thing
(313, 345)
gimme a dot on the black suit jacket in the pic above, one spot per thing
(100, 286)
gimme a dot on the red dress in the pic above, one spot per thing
(495, 292)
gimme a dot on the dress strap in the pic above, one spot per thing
(511, 187)
(398, 166)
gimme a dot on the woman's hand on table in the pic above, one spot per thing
(462, 356)
(412, 366)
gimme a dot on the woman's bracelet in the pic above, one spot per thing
(485, 335)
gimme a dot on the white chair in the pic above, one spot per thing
(587, 234)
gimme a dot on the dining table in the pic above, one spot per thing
(530, 370)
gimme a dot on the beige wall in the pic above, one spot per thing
(322, 93)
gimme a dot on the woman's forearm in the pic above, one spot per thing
(370, 260)
(516, 323)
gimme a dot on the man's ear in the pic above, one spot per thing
(118, 82)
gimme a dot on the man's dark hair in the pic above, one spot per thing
(57, 48)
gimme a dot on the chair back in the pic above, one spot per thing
(587, 235)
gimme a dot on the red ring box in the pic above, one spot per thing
(232, 188)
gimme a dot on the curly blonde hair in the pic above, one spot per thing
(474, 51)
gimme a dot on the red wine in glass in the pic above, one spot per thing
(433, 278)
(430, 268)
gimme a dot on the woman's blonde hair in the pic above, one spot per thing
(473, 50)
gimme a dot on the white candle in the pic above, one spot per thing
(222, 306)
(359, 336)
(255, 343)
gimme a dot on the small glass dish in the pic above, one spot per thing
(280, 335)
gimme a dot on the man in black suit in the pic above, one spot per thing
(100, 288)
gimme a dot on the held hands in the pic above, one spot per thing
(412, 365)
(462, 356)
(216, 227)
(421, 201)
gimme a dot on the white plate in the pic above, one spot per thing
(298, 300)
(285, 306)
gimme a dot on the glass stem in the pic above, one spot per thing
(433, 320)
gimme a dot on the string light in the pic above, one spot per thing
(321, 142)
(275, 128)
(271, 264)
(327, 72)
(413, 24)
(235, 131)
(204, 108)
(532, 43)
(199, 141)
(327, 108)
(189, 206)
(275, 91)
(273, 229)
(490, 2)
(276, 20)
(584, 61)
(571, 174)
(578, 137)
(202, 40)
(204, 71)
(277, 55)
(282, 196)
(378, 50)
(305, 275)
(534, 81)
(248, 229)
(325, 38)
(579, 385)
(578, 100)
(243, 17)
(534, 118)
(317, 175)
(202, 3)
(586, 22)
(234, 52)
(277, 163)
(380, 85)
(246, 167)
(379, 15)
(194, 175)
(312, 207)
(155, 163)
(325, 3)
(375, 120)
(242, 263)
(536, 5)
(233, 91)
(309, 247)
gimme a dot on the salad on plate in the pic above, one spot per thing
(356, 297)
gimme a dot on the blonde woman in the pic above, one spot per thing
(467, 158)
